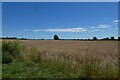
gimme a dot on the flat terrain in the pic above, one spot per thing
(63, 58)
(106, 46)
(76, 48)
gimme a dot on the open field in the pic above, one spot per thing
(77, 49)
(65, 59)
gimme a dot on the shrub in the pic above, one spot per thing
(14, 50)
(10, 50)
(6, 58)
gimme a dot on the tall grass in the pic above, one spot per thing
(20, 61)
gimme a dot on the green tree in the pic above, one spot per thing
(56, 37)
(94, 38)
(112, 38)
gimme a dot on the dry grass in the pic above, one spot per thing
(76, 49)
(82, 58)
(101, 53)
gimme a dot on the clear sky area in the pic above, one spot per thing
(69, 20)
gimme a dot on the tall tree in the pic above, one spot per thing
(56, 37)
(119, 38)
(112, 38)
(94, 38)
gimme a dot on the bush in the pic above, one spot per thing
(6, 58)
(10, 50)
(14, 50)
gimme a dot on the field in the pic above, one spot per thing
(76, 48)
(64, 59)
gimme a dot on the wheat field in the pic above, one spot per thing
(102, 52)
(69, 58)
(76, 49)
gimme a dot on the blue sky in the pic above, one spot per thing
(67, 20)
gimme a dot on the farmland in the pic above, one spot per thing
(64, 59)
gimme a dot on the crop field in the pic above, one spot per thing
(102, 51)
(76, 48)
(62, 59)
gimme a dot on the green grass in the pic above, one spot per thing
(18, 69)
(27, 62)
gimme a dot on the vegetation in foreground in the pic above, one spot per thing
(20, 61)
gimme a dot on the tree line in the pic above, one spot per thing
(56, 37)
(13, 38)
(94, 38)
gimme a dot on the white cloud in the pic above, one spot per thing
(116, 21)
(99, 28)
(36, 30)
(103, 26)
(93, 30)
(79, 29)
(66, 30)
(93, 27)
(62, 30)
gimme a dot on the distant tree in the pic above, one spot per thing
(88, 39)
(107, 38)
(23, 38)
(14, 38)
(95, 38)
(118, 38)
(42, 39)
(112, 38)
(7, 37)
(85, 39)
(81, 39)
(56, 37)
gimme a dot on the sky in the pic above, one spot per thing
(69, 20)
(60, 0)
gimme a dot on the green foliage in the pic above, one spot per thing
(10, 50)
(12, 47)
(15, 50)
(6, 58)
